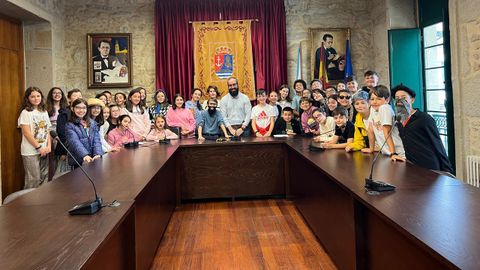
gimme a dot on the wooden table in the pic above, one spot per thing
(146, 176)
(45, 237)
(429, 222)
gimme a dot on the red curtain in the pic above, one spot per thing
(174, 39)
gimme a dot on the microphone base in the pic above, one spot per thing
(315, 147)
(131, 145)
(235, 139)
(86, 208)
(379, 186)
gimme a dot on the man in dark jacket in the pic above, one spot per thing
(419, 133)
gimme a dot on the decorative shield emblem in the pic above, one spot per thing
(223, 62)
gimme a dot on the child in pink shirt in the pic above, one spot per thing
(122, 133)
(178, 116)
(160, 132)
(140, 124)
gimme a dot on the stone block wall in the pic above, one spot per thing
(304, 14)
(465, 53)
(38, 55)
(122, 16)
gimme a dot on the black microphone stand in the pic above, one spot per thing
(88, 207)
(375, 185)
(133, 144)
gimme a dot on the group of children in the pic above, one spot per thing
(343, 117)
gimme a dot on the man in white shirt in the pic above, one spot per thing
(236, 109)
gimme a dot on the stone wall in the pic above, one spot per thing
(38, 55)
(368, 20)
(122, 16)
(40, 49)
(380, 26)
(304, 14)
(465, 44)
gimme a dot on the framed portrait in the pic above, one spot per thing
(109, 58)
(335, 42)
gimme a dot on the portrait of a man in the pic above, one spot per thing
(334, 45)
(109, 63)
(104, 60)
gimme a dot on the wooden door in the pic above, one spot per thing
(11, 94)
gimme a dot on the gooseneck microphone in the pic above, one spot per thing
(88, 207)
(133, 144)
(376, 185)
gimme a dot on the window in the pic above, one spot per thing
(434, 71)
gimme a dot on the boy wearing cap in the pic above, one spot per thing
(360, 137)
(419, 133)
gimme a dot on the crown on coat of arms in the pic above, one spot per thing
(223, 50)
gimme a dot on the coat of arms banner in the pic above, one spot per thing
(223, 49)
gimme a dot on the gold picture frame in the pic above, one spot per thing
(334, 65)
(109, 58)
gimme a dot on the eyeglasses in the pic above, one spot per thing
(80, 108)
(343, 97)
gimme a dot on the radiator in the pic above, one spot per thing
(473, 170)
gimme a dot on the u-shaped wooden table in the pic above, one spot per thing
(429, 222)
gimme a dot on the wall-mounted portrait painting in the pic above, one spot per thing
(334, 42)
(109, 60)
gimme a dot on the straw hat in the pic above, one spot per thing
(95, 102)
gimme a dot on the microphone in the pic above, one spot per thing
(317, 146)
(133, 144)
(375, 185)
(88, 207)
(164, 140)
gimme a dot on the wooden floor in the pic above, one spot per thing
(261, 234)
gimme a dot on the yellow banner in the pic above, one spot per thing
(223, 49)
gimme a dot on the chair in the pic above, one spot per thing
(17, 194)
(177, 130)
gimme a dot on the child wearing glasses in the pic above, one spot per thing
(344, 99)
(326, 126)
(83, 136)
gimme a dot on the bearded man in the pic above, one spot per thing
(211, 122)
(236, 109)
